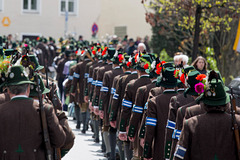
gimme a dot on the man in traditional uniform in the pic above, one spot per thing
(129, 99)
(98, 87)
(191, 81)
(176, 102)
(25, 141)
(157, 113)
(69, 141)
(115, 86)
(140, 101)
(209, 135)
(77, 84)
(105, 98)
(93, 70)
(117, 101)
(60, 77)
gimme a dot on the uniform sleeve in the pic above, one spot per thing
(126, 108)
(75, 81)
(98, 84)
(68, 131)
(89, 82)
(183, 149)
(142, 129)
(115, 104)
(177, 131)
(57, 135)
(151, 123)
(92, 84)
(170, 127)
(104, 93)
(86, 75)
(113, 91)
(137, 112)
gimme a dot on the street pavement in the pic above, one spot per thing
(84, 147)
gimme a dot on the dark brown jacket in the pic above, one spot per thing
(106, 91)
(154, 92)
(78, 80)
(93, 78)
(86, 76)
(179, 124)
(22, 137)
(99, 83)
(63, 121)
(175, 103)
(68, 84)
(138, 108)
(157, 114)
(115, 86)
(60, 68)
(208, 136)
(118, 96)
(129, 99)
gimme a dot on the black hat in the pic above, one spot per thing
(168, 80)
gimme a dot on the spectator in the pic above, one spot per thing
(138, 41)
(183, 59)
(146, 42)
(200, 64)
(131, 47)
(141, 47)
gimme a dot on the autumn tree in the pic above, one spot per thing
(198, 24)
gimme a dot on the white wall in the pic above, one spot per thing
(128, 13)
(49, 22)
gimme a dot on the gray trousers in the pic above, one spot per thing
(78, 114)
(128, 151)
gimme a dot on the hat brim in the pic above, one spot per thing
(39, 68)
(167, 84)
(19, 83)
(35, 93)
(213, 102)
(190, 92)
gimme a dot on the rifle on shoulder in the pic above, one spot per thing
(44, 122)
(235, 125)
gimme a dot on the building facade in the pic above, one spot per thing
(56, 18)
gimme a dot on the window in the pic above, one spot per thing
(68, 5)
(1, 5)
(31, 5)
(120, 31)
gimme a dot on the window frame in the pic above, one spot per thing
(75, 7)
(2, 4)
(29, 10)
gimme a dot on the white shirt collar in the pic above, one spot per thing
(181, 89)
(116, 67)
(155, 80)
(167, 90)
(18, 96)
(134, 72)
(144, 75)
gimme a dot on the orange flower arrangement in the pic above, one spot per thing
(200, 77)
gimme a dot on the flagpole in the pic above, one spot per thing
(66, 23)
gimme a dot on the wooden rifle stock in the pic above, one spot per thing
(44, 122)
(235, 125)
